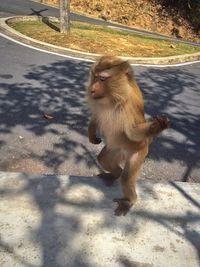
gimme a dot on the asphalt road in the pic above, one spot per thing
(33, 83)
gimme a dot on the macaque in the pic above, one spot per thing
(117, 114)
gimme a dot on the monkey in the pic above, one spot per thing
(117, 114)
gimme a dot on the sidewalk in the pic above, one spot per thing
(69, 221)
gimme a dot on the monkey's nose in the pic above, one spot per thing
(92, 91)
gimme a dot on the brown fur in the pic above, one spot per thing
(117, 108)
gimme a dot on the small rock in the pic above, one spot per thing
(172, 46)
(108, 12)
(125, 17)
(104, 17)
(176, 32)
(21, 137)
(178, 21)
(99, 7)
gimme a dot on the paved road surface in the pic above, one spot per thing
(69, 221)
(34, 83)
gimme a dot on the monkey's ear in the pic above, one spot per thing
(127, 69)
(92, 70)
(130, 73)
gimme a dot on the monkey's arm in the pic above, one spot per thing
(92, 129)
(148, 129)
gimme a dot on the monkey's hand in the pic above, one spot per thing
(160, 123)
(124, 206)
(92, 129)
(95, 140)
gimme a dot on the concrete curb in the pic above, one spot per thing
(69, 221)
(5, 29)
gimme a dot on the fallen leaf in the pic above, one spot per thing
(48, 117)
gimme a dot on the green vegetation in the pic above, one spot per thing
(102, 40)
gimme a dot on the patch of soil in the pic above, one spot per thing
(27, 165)
(176, 18)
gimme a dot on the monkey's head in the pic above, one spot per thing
(110, 78)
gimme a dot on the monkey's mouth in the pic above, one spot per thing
(96, 96)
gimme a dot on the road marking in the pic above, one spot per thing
(42, 50)
(89, 60)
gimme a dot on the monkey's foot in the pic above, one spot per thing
(160, 123)
(107, 178)
(124, 206)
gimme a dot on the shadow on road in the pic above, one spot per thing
(69, 226)
(58, 89)
(175, 92)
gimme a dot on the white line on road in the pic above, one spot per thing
(89, 60)
(42, 50)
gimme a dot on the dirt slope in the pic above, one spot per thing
(178, 18)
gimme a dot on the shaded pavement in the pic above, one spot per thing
(34, 83)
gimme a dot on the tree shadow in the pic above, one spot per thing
(184, 226)
(38, 12)
(58, 89)
(175, 92)
(69, 223)
(60, 220)
(50, 23)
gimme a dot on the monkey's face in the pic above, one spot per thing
(110, 79)
(99, 87)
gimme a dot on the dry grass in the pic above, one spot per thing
(172, 18)
(102, 40)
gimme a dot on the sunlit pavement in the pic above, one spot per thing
(69, 221)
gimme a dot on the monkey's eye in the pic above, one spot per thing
(102, 78)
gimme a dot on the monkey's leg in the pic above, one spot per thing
(109, 159)
(128, 181)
